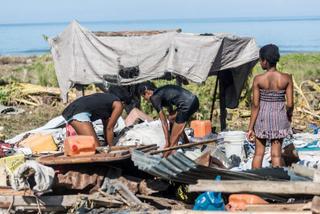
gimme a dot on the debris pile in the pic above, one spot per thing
(209, 173)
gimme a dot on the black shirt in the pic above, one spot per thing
(170, 95)
(129, 94)
(99, 105)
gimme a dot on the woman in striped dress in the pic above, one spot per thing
(272, 107)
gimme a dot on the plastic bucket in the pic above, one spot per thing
(233, 143)
(233, 148)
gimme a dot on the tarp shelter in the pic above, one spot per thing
(82, 57)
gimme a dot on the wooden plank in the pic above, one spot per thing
(278, 207)
(188, 145)
(249, 186)
(163, 202)
(51, 201)
(316, 176)
(109, 202)
(3, 176)
(135, 33)
(116, 154)
(8, 191)
(302, 170)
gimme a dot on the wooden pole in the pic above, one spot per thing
(214, 96)
(184, 146)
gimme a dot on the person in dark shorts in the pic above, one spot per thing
(168, 96)
(84, 110)
(272, 107)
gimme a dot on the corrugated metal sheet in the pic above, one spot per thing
(179, 168)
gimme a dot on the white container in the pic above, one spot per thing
(233, 143)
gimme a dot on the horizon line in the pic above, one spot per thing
(192, 20)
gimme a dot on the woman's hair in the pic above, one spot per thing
(270, 53)
(146, 86)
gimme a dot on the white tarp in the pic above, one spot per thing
(83, 58)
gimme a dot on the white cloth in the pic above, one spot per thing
(43, 177)
(82, 57)
(145, 133)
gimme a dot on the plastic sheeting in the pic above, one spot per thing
(81, 57)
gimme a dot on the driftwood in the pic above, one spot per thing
(134, 33)
(249, 186)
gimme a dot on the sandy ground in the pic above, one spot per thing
(31, 118)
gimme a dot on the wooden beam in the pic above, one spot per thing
(278, 207)
(302, 170)
(8, 191)
(51, 201)
(249, 186)
(134, 33)
(163, 202)
(57, 201)
(187, 145)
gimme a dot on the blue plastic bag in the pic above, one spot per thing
(209, 201)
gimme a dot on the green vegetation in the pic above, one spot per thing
(41, 71)
(301, 66)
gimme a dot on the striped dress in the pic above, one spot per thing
(272, 121)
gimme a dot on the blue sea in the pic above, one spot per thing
(291, 34)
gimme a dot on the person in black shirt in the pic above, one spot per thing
(168, 96)
(130, 95)
(84, 110)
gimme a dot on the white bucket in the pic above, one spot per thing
(233, 143)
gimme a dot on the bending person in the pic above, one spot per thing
(168, 96)
(130, 95)
(84, 110)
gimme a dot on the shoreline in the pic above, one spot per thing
(25, 54)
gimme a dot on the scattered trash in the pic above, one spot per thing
(42, 175)
(39, 143)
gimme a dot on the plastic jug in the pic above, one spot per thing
(79, 145)
(238, 202)
(201, 128)
(39, 143)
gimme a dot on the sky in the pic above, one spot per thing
(43, 11)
